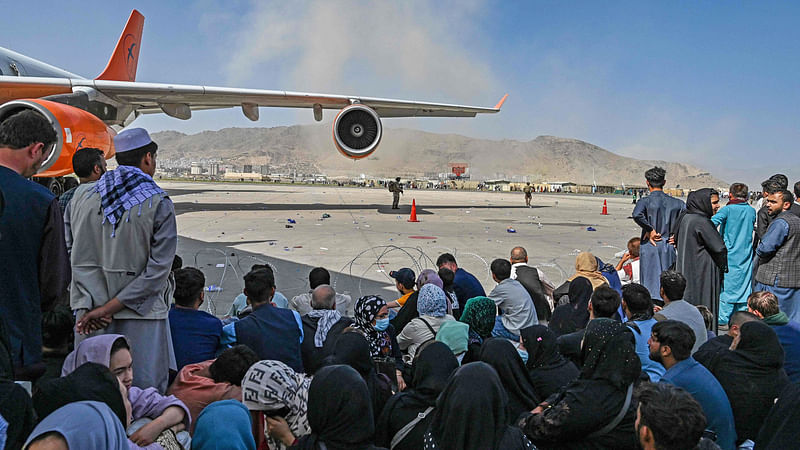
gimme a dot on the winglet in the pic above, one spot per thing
(123, 62)
(500, 103)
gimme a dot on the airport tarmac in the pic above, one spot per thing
(225, 228)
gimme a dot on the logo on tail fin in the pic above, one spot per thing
(129, 44)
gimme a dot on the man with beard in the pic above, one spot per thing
(671, 345)
(779, 255)
(123, 232)
(36, 270)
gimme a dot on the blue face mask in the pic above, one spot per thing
(524, 355)
(382, 324)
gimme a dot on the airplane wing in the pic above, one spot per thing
(179, 100)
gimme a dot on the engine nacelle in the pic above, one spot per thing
(75, 129)
(357, 131)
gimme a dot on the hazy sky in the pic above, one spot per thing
(715, 84)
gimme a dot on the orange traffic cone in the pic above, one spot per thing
(605, 208)
(413, 217)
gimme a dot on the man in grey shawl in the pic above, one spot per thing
(122, 237)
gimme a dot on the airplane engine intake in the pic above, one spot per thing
(357, 131)
(75, 129)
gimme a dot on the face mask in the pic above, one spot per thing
(381, 324)
(524, 355)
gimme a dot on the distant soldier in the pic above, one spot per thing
(528, 190)
(396, 189)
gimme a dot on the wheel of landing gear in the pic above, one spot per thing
(54, 185)
(69, 183)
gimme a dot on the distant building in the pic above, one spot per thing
(248, 168)
(197, 168)
(214, 169)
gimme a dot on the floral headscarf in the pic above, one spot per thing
(366, 309)
(479, 313)
(432, 301)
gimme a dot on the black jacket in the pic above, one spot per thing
(529, 277)
(313, 356)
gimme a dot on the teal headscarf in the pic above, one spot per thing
(479, 313)
(224, 424)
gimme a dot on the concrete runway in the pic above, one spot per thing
(225, 228)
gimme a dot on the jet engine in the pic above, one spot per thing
(357, 131)
(75, 129)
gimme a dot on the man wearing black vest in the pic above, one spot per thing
(321, 327)
(529, 278)
(779, 255)
(272, 332)
(36, 270)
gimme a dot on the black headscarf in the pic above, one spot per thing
(697, 202)
(471, 412)
(91, 381)
(752, 376)
(573, 317)
(503, 357)
(339, 410)
(434, 363)
(353, 350)
(609, 353)
(432, 368)
(542, 347)
(17, 410)
(548, 369)
(780, 426)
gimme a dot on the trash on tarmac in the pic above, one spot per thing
(590, 229)
(289, 226)
(214, 288)
(220, 265)
(291, 220)
(326, 216)
(511, 230)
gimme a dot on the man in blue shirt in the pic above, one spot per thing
(638, 308)
(195, 334)
(671, 345)
(273, 333)
(465, 285)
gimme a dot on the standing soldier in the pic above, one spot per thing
(528, 190)
(396, 189)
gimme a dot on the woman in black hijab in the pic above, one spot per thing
(353, 349)
(339, 411)
(504, 358)
(702, 255)
(574, 316)
(752, 375)
(548, 369)
(432, 368)
(596, 410)
(780, 426)
(91, 381)
(17, 410)
(471, 414)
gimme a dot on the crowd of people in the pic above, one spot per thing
(691, 341)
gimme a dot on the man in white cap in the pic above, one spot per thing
(122, 237)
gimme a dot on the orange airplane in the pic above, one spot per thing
(87, 113)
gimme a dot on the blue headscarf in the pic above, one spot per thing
(84, 425)
(432, 301)
(225, 422)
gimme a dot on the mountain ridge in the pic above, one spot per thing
(405, 151)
